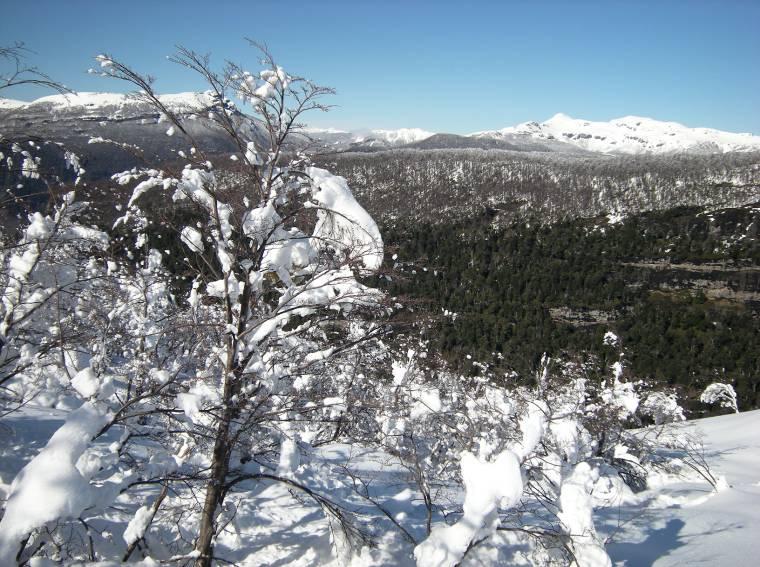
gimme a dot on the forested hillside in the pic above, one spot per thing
(680, 287)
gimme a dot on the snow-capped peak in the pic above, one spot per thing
(96, 101)
(559, 118)
(9, 103)
(629, 135)
(401, 136)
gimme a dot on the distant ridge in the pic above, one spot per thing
(628, 135)
(561, 133)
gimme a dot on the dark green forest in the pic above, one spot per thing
(681, 288)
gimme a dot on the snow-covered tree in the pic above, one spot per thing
(276, 298)
(46, 280)
(720, 393)
(52, 267)
(47, 257)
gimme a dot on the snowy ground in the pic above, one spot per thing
(687, 524)
(673, 523)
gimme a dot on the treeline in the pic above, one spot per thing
(432, 185)
(680, 287)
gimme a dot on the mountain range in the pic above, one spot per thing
(628, 135)
(92, 117)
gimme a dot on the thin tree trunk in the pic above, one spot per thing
(220, 460)
(214, 490)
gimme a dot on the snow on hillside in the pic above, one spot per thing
(322, 131)
(397, 137)
(95, 102)
(92, 102)
(629, 135)
(9, 103)
(401, 136)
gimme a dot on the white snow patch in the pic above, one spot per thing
(611, 339)
(343, 220)
(488, 487)
(51, 486)
(86, 383)
(193, 239)
(138, 524)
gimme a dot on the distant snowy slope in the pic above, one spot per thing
(9, 103)
(90, 102)
(401, 136)
(629, 135)
(561, 134)
(106, 128)
(378, 139)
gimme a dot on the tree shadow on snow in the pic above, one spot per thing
(305, 541)
(659, 542)
(21, 438)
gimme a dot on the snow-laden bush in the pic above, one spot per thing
(662, 407)
(47, 280)
(720, 393)
(501, 469)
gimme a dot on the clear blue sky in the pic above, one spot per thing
(442, 66)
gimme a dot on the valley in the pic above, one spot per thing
(654, 237)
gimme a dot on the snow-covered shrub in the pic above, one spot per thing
(486, 459)
(570, 439)
(720, 393)
(662, 407)
(47, 276)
